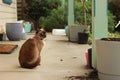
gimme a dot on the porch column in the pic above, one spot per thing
(99, 23)
(63, 2)
(70, 12)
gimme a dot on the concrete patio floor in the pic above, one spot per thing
(60, 59)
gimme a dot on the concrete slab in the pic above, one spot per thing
(60, 59)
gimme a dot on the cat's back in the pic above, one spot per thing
(28, 45)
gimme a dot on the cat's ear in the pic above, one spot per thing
(37, 30)
(41, 28)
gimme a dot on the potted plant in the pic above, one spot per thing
(2, 34)
(108, 57)
(74, 30)
(83, 36)
(81, 20)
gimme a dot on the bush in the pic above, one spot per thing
(79, 15)
(56, 19)
(111, 25)
(114, 35)
(58, 16)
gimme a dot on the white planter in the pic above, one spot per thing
(14, 31)
(73, 31)
(108, 59)
(58, 32)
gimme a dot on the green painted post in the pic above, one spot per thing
(63, 2)
(70, 12)
(70, 17)
(99, 23)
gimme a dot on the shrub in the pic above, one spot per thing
(111, 25)
(56, 19)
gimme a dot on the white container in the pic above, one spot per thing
(58, 32)
(74, 30)
(14, 31)
(108, 59)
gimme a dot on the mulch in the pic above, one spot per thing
(7, 48)
(111, 39)
(83, 78)
(91, 76)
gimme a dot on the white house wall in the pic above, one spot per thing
(8, 13)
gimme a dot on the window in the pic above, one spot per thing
(7, 1)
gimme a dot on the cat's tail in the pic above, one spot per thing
(32, 64)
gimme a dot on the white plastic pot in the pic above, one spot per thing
(108, 59)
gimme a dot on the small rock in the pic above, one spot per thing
(74, 57)
(61, 59)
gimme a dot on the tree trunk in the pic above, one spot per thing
(36, 25)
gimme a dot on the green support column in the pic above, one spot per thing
(99, 23)
(70, 12)
(63, 2)
(70, 17)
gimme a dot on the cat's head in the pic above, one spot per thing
(41, 33)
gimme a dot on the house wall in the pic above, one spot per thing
(8, 13)
(20, 9)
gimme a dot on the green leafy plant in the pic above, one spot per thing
(35, 9)
(56, 19)
(111, 25)
(114, 35)
(83, 12)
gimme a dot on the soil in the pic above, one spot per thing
(111, 39)
(91, 76)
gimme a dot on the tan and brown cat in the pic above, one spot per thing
(29, 55)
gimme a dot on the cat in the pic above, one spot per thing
(29, 54)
